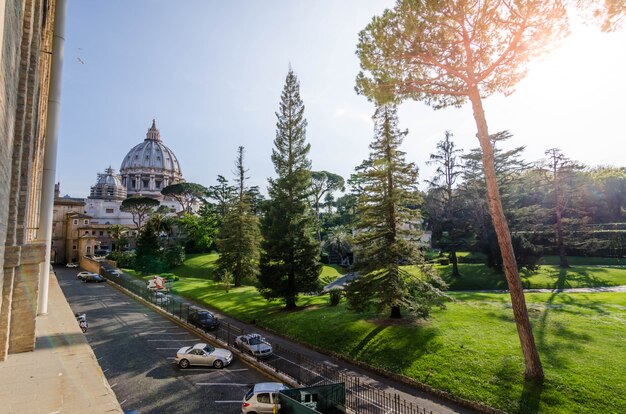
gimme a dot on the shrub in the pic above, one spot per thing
(335, 297)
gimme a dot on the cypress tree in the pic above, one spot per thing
(387, 234)
(289, 262)
(239, 236)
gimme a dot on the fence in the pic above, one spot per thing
(361, 398)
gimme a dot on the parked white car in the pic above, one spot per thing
(254, 344)
(262, 398)
(71, 265)
(83, 275)
(203, 354)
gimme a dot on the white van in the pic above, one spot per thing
(262, 398)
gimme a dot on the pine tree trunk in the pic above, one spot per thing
(534, 370)
(395, 312)
(560, 241)
(558, 210)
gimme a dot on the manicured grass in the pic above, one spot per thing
(481, 277)
(471, 349)
(590, 261)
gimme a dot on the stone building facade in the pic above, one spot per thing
(25, 61)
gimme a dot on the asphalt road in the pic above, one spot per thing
(136, 347)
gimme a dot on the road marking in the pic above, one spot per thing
(228, 402)
(164, 333)
(173, 340)
(222, 383)
(105, 370)
(167, 348)
(122, 403)
(113, 385)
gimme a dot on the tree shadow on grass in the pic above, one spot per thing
(507, 377)
(566, 278)
(531, 397)
(366, 340)
(564, 338)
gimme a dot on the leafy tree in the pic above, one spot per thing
(222, 193)
(289, 262)
(200, 230)
(608, 14)
(187, 194)
(442, 193)
(447, 52)
(139, 207)
(239, 236)
(386, 235)
(347, 210)
(606, 194)
(323, 182)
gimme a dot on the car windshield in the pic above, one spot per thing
(208, 349)
(255, 340)
(205, 316)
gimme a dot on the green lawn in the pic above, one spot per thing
(481, 277)
(471, 349)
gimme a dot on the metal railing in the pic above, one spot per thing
(361, 398)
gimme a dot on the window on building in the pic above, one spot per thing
(86, 221)
(74, 247)
(88, 249)
(109, 211)
(75, 222)
(86, 233)
(146, 183)
(93, 232)
(157, 184)
(101, 233)
(134, 183)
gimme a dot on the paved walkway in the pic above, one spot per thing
(61, 375)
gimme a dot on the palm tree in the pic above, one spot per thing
(339, 240)
(118, 232)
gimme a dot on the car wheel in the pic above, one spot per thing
(183, 363)
(218, 364)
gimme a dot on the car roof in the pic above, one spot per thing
(269, 386)
(203, 312)
(199, 346)
(252, 335)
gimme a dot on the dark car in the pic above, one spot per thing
(93, 278)
(204, 320)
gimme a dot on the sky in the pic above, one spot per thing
(211, 73)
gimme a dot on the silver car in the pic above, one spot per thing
(262, 398)
(254, 344)
(203, 354)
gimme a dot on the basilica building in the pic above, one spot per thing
(150, 166)
(80, 226)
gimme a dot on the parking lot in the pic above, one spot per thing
(136, 347)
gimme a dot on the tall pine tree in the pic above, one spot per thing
(387, 229)
(289, 261)
(239, 237)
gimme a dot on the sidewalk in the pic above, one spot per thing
(61, 375)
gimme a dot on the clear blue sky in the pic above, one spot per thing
(211, 73)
